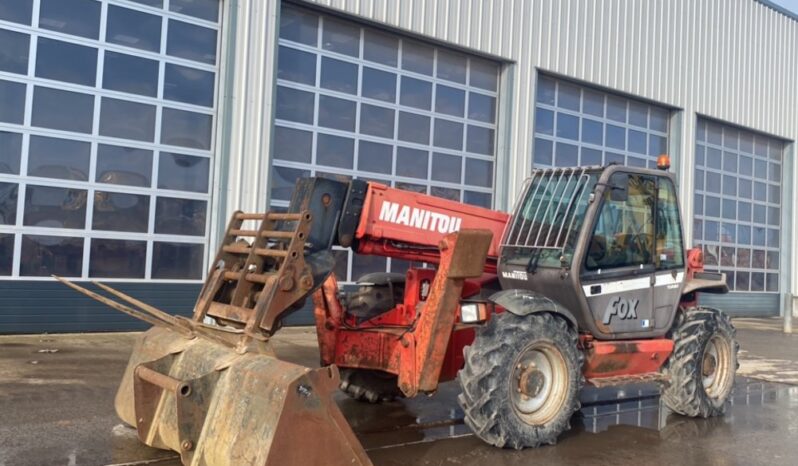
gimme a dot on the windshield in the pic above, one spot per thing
(547, 220)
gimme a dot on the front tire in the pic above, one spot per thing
(521, 380)
(703, 363)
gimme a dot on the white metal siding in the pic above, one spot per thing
(733, 60)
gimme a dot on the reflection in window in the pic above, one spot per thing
(8, 203)
(120, 212)
(202, 9)
(76, 17)
(58, 158)
(123, 165)
(133, 29)
(51, 207)
(282, 181)
(175, 216)
(51, 255)
(134, 75)
(177, 260)
(186, 129)
(14, 52)
(624, 231)
(49, 105)
(183, 172)
(12, 102)
(6, 253)
(127, 120)
(10, 152)
(112, 258)
(191, 42)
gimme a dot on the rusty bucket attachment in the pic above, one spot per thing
(216, 393)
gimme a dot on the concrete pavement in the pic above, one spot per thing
(56, 408)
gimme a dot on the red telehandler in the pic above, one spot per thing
(587, 281)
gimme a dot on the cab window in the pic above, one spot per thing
(624, 231)
(669, 247)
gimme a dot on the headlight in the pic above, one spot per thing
(469, 313)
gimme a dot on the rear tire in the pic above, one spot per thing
(703, 363)
(521, 380)
(369, 386)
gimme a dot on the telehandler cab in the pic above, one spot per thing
(587, 281)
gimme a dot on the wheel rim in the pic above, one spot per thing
(716, 374)
(539, 383)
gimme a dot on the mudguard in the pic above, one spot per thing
(526, 302)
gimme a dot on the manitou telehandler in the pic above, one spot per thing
(588, 281)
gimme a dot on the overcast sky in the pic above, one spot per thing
(791, 5)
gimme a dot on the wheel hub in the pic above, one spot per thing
(710, 364)
(716, 372)
(539, 383)
(532, 382)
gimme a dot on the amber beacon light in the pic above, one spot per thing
(663, 162)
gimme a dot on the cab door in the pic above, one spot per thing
(618, 274)
(669, 255)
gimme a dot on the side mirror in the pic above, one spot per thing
(619, 187)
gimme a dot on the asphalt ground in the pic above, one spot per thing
(56, 408)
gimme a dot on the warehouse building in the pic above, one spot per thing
(131, 129)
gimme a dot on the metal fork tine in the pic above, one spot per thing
(142, 306)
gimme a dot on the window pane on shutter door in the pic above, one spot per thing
(177, 260)
(283, 180)
(335, 151)
(338, 75)
(134, 29)
(411, 162)
(10, 152)
(183, 172)
(376, 121)
(449, 100)
(180, 216)
(341, 37)
(481, 107)
(14, 52)
(63, 61)
(478, 199)
(447, 168)
(298, 25)
(120, 212)
(186, 129)
(202, 9)
(568, 96)
(16, 11)
(155, 3)
(127, 73)
(337, 113)
(448, 134)
(51, 207)
(58, 158)
(111, 258)
(542, 152)
(479, 140)
(380, 47)
(294, 105)
(6, 253)
(12, 102)
(123, 165)
(49, 105)
(378, 84)
(127, 120)
(567, 126)
(191, 42)
(374, 157)
(188, 85)
(483, 74)
(445, 193)
(416, 93)
(413, 128)
(51, 255)
(452, 66)
(296, 65)
(76, 17)
(418, 57)
(479, 173)
(9, 192)
(293, 144)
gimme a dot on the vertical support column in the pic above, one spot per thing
(682, 147)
